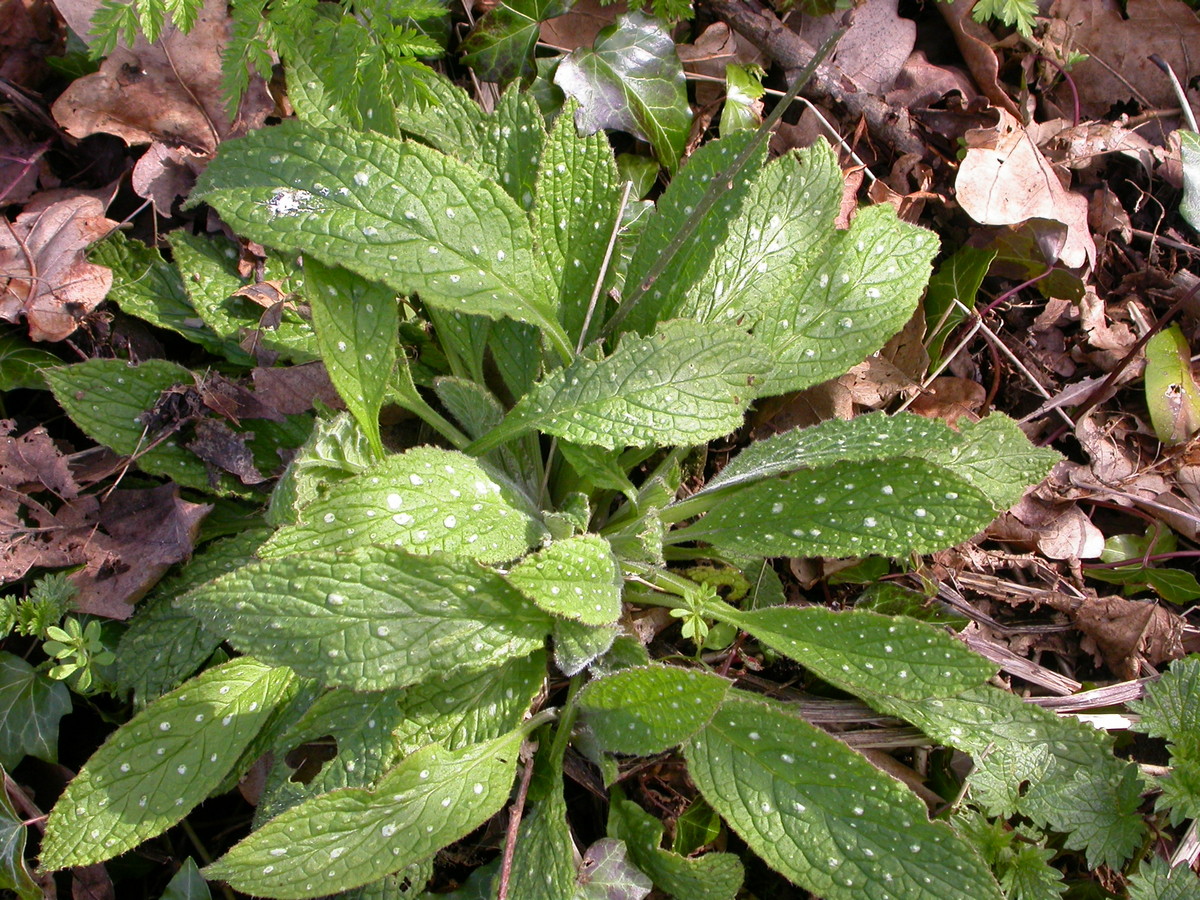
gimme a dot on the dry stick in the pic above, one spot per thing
(514, 822)
(890, 124)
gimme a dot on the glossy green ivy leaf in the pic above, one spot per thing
(781, 230)
(577, 201)
(163, 645)
(14, 871)
(862, 290)
(397, 212)
(356, 321)
(187, 884)
(425, 500)
(1058, 772)
(713, 876)
(500, 46)
(153, 770)
(650, 709)
(577, 578)
(958, 278)
(350, 837)
(743, 91)
(147, 286)
(31, 705)
(864, 651)
(686, 384)
(21, 363)
(822, 815)
(606, 874)
(664, 297)
(1172, 394)
(1189, 152)
(631, 80)
(373, 618)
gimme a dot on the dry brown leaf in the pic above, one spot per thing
(716, 47)
(975, 44)
(28, 34)
(950, 398)
(46, 276)
(164, 173)
(875, 47)
(1005, 180)
(1119, 38)
(223, 448)
(292, 389)
(169, 91)
(1057, 530)
(1124, 630)
(32, 463)
(579, 27)
(922, 83)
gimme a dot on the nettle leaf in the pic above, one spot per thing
(822, 815)
(14, 871)
(862, 290)
(686, 384)
(650, 709)
(517, 354)
(1171, 707)
(1058, 772)
(713, 876)
(356, 322)
(858, 650)
(1156, 879)
(500, 46)
(577, 578)
(350, 837)
(664, 298)
(373, 618)
(783, 227)
(577, 201)
(631, 80)
(31, 705)
(424, 500)
(153, 770)
(452, 122)
(147, 286)
(396, 212)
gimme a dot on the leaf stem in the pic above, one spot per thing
(719, 186)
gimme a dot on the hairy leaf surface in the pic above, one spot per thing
(577, 578)
(153, 770)
(819, 813)
(373, 618)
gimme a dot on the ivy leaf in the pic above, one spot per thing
(350, 837)
(958, 278)
(631, 80)
(396, 212)
(1189, 151)
(713, 876)
(577, 578)
(373, 618)
(356, 321)
(14, 871)
(153, 770)
(665, 298)
(858, 651)
(686, 384)
(21, 363)
(781, 230)
(647, 710)
(424, 500)
(822, 815)
(573, 236)
(187, 884)
(31, 705)
(500, 46)
(606, 875)
(860, 293)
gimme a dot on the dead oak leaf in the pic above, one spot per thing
(1004, 180)
(44, 275)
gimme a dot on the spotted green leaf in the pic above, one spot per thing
(631, 80)
(577, 578)
(153, 770)
(351, 837)
(515, 140)
(650, 709)
(577, 201)
(31, 705)
(373, 618)
(577, 646)
(859, 292)
(393, 211)
(686, 384)
(713, 876)
(543, 866)
(686, 262)
(822, 815)
(356, 321)
(860, 651)
(424, 500)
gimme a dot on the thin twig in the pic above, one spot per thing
(514, 821)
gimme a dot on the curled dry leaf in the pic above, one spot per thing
(1005, 180)
(46, 276)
